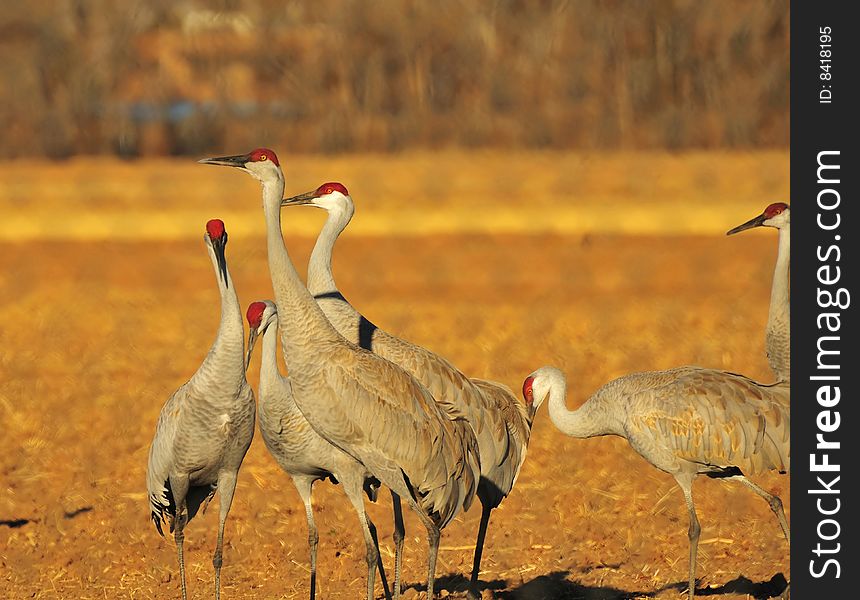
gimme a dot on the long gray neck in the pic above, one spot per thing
(320, 277)
(225, 363)
(302, 324)
(589, 420)
(269, 373)
(778, 333)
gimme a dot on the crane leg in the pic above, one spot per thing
(226, 488)
(686, 483)
(433, 536)
(399, 535)
(479, 548)
(379, 564)
(179, 487)
(772, 500)
(303, 487)
(353, 492)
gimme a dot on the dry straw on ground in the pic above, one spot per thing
(96, 334)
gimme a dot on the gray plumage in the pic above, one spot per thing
(687, 422)
(205, 428)
(361, 403)
(778, 330)
(501, 423)
(299, 450)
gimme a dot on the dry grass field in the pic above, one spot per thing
(600, 265)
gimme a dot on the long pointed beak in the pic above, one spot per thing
(218, 245)
(754, 222)
(252, 339)
(306, 198)
(226, 161)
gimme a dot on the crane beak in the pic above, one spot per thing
(218, 246)
(227, 161)
(301, 199)
(754, 222)
(252, 339)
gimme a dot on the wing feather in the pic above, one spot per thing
(713, 418)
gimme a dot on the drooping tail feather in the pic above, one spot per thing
(199, 495)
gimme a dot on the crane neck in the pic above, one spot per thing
(778, 334)
(589, 420)
(224, 365)
(269, 363)
(320, 276)
(779, 295)
(302, 325)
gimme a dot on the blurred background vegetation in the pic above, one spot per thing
(159, 78)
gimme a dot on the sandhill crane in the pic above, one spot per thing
(205, 428)
(501, 423)
(687, 421)
(365, 405)
(778, 332)
(298, 449)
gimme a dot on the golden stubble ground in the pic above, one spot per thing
(95, 335)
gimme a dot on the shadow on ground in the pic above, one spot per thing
(556, 586)
(457, 584)
(762, 590)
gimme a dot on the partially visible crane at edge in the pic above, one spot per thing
(778, 331)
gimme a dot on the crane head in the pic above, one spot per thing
(537, 386)
(216, 238)
(260, 315)
(529, 396)
(332, 197)
(776, 215)
(528, 390)
(261, 163)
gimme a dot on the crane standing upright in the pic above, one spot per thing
(778, 331)
(502, 424)
(363, 404)
(206, 427)
(298, 449)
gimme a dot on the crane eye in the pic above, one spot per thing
(263, 157)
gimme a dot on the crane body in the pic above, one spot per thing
(206, 427)
(361, 403)
(501, 423)
(687, 422)
(299, 450)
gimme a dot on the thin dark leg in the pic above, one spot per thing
(303, 487)
(379, 564)
(399, 535)
(775, 504)
(773, 501)
(353, 492)
(474, 592)
(686, 484)
(179, 486)
(433, 536)
(226, 488)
